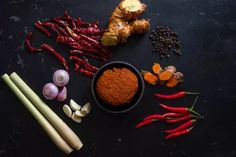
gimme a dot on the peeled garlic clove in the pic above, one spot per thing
(79, 114)
(62, 95)
(76, 118)
(67, 110)
(74, 106)
(86, 108)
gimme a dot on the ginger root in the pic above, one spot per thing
(124, 22)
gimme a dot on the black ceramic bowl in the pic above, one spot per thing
(126, 107)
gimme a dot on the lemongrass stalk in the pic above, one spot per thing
(63, 129)
(48, 128)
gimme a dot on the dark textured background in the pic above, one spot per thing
(207, 29)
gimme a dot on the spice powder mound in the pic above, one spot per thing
(117, 86)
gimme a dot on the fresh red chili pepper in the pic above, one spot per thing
(171, 115)
(182, 126)
(28, 45)
(186, 117)
(86, 72)
(175, 95)
(182, 110)
(145, 122)
(179, 133)
(153, 116)
(56, 54)
(40, 27)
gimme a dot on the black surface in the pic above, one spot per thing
(207, 29)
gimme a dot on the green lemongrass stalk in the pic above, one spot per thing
(63, 129)
(48, 128)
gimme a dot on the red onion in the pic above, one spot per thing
(50, 91)
(60, 78)
(62, 95)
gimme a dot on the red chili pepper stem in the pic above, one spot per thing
(192, 93)
(192, 107)
(194, 103)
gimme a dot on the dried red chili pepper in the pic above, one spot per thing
(153, 116)
(86, 72)
(81, 53)
(52, 26)
(91, 40)
(145, 122)
(65, 40)
(182, 126)
(90, 67)
(186, 117)
(83, 24)
(40, 27)
(78, 60)
(28, 45)
(56, 54)
(179, 133)
(69, 20)
(175, 95)
(84, 63)
(77, 66)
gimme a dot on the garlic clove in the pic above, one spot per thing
(74, 106)
(76, 118)
(86, 109)
(62, 95)
(67, 110)
(79, 114)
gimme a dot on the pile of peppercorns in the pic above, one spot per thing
(164, 40)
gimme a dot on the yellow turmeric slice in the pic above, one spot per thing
(167, 73)
(175, 79)
(156, 68)
(149, 77)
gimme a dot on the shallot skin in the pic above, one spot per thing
(50, 91)
(61, 78)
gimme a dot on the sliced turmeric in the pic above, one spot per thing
(124, 22)
(175, 79)
(156, 68)
(149, 77)
(167, 73)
